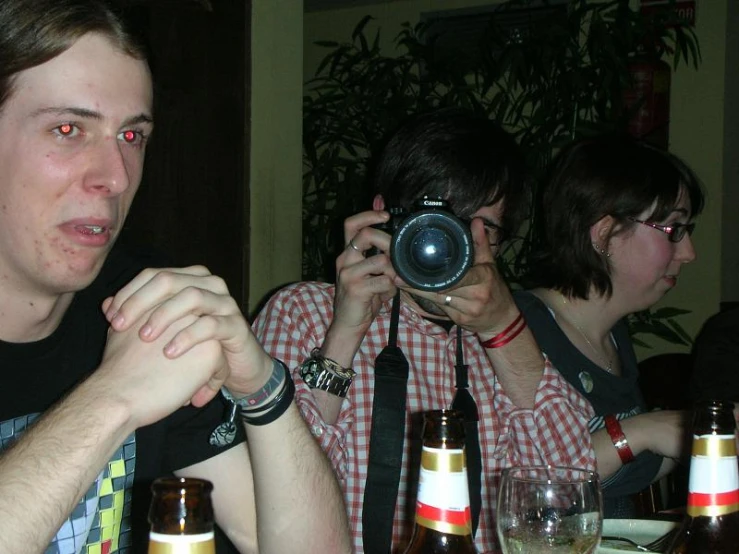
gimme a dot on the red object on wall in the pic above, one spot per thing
(648, 101)
(684, 8)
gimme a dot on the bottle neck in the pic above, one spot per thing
(181, 516)
(202, 543)
(713, 489)
(443, 502)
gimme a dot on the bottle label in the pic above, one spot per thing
(160, 543)
(443, 502)
(713, 489)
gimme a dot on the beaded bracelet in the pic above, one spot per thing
(507, 334)
(619, 439)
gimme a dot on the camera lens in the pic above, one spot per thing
(431, 250)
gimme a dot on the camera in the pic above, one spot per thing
(431, 249)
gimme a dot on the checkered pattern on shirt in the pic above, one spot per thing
(295, 321)
(100, 523)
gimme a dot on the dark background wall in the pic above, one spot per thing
(194, 198)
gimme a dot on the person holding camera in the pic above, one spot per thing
(451, 188)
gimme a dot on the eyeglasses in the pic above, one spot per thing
(674, 232)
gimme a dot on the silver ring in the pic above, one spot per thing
(353, 246)
(448, 301)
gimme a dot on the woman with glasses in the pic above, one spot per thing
(612, 235)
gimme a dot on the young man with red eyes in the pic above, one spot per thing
(95, 374)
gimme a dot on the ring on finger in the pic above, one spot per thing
(448, 300)
(353, 246)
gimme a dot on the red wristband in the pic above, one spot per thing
(507, 334)
(619, 439)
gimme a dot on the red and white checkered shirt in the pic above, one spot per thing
(555, 432)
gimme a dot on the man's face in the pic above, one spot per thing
(72, 140)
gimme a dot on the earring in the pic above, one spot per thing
(601, 251)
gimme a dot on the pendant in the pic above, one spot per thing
(225, 433)
(586, 381)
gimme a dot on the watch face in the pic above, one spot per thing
(309, 371)
(317, 376)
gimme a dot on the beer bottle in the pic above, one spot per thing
(711, 524)
(181, 517)
(443, 517)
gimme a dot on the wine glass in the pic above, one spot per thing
(549, 510)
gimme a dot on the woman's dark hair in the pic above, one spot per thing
(33, 32)
(459, 156)
(610, 175)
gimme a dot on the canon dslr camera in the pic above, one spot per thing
(430, 249)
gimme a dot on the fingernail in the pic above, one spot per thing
(145, 331)
(118, 321)
(170, 350)
(111, 313)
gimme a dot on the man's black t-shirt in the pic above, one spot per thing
(112, 515)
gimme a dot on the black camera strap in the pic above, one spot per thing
(386, 442)
(387, 437)
(464, 402)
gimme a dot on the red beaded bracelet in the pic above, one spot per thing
(507, 334)
(619, 439)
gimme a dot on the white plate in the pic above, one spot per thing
(641, 531)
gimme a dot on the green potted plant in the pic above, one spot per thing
(561, 78)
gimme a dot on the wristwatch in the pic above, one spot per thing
(323, 373)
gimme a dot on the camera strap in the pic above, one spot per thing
(387, 437)
(386, 442)
(464, 402)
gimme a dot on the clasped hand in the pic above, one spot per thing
(179, 333)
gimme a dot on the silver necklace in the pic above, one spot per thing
(609, 363)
